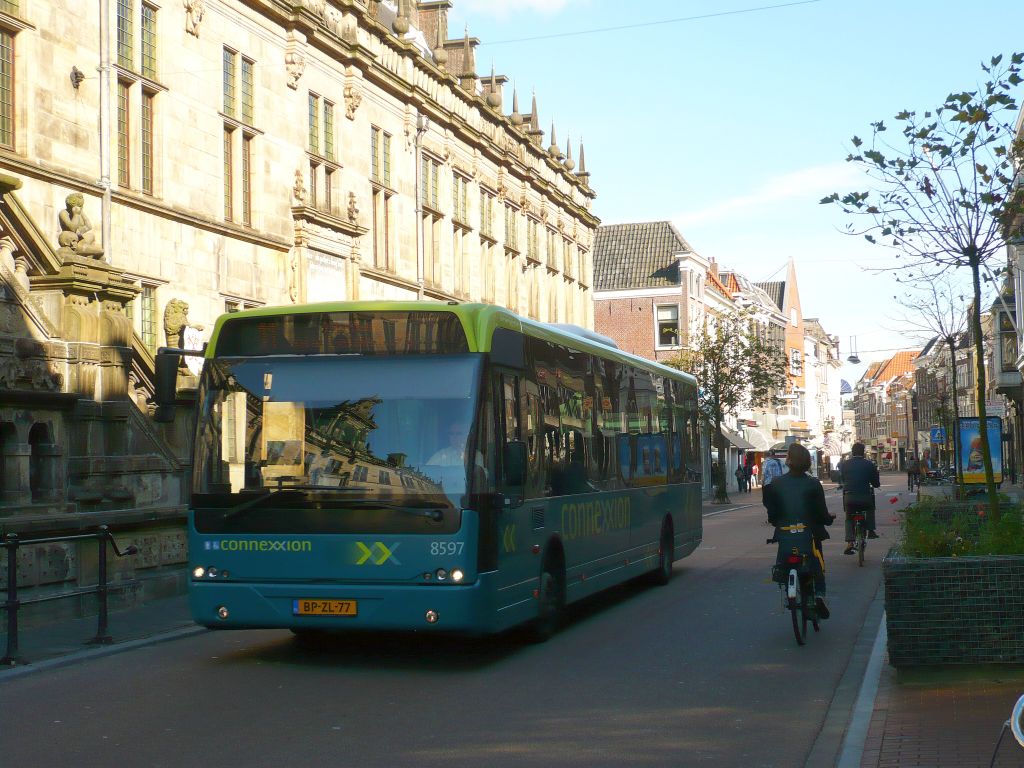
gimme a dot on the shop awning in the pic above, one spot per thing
(737, 440)
(758, 439)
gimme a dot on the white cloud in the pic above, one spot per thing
(504, 8)
(808, 184)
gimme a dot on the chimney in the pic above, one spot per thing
(713, 268)
(428, 15)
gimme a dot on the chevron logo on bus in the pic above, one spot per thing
(377, 553)
(508, 538)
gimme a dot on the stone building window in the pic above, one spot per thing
(460, 199)
(382, 257)
(320, 148)
(486, 214)
(511, 229)
(667, 318)
(6, 88)
(123, 136)
(125, 34)
(460, 259)
(148, 41)
(532, 240)
(380, 157)
(430, 170)
(238, 91)
(147, 317)
(512, 276)
(137, 89)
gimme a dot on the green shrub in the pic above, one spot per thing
(943, 528)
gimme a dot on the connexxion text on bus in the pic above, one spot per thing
(409, 465)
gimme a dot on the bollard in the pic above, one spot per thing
(102, 638)
(11, 545)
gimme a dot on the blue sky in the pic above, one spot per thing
(733, 126)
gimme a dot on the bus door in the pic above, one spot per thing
(514, 524)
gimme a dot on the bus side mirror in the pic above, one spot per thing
(165, 385)
(514, 462)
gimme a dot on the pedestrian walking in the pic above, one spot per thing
(748, 473)
(913, 472)
(741, 478)
(754, 472)
(773, 467)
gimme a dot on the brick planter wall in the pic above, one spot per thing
(954, 610)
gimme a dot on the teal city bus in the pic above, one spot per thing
(412, 465)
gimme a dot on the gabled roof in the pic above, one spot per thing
(641, 255)
(776, 290)
(898, 365)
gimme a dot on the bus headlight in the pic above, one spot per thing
(198, 572)
(211, 572)
(457, 575)
(441, 574)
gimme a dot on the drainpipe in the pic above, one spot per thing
(422, 123)
(104, 70)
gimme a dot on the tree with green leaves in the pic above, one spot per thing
(736, 368)
(942, 194)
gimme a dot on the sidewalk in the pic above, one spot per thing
(68, 641)
(943, 718)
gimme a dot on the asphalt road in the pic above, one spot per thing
(704, 671)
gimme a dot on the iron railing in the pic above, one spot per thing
(12, 542)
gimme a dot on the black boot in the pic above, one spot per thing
(823, 612)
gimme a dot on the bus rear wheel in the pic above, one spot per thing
(550, 600)
(666, 555)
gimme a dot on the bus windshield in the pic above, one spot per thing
(390, 431)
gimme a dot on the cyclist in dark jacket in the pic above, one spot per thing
(795, 502)
(859, 480)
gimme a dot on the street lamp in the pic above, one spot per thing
(854, 358)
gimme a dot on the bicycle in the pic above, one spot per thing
(860, 532)
(860, 536)
(792, 572)
(1015, 725)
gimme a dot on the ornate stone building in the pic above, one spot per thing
(170, 162)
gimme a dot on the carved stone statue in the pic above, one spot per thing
(299, 192)
(175, 320)
(76, 237)
(194, 10)
(353, 208)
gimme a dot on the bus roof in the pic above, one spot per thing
(478, 321)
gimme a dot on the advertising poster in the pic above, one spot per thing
(971, 460)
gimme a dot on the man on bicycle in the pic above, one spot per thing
(859, 480)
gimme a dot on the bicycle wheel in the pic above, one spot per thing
(796, 612)
(861, 544)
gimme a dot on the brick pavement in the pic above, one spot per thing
(943, 718)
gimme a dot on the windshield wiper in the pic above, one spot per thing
(430, 510)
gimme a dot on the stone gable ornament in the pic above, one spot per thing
(76, 237)
(353, 208)
(194, 10)
(353, 95)
(294, 58)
